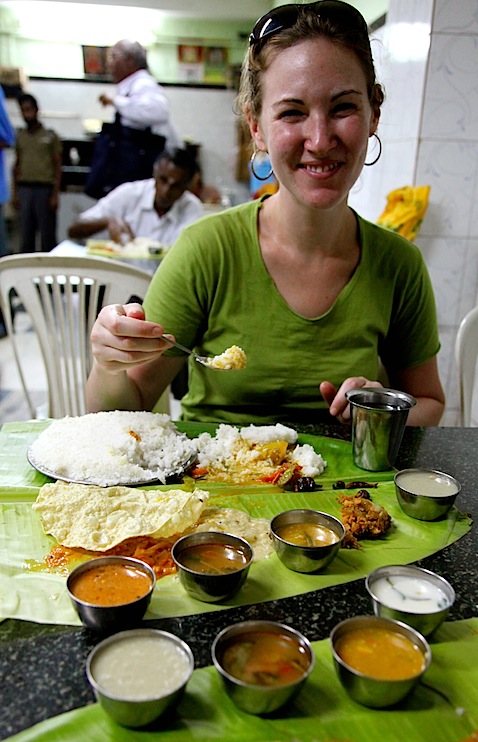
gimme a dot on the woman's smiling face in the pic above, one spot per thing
(316, 120)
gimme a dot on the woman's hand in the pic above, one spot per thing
(129, 371)
(122, 338)
(338, 404)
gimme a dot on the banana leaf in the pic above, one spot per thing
(19, 481)
(28, 592)
(444, 707)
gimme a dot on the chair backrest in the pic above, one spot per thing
(63, 296)
(466, 352)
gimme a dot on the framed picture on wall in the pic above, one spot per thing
(215, 65)
(190, 63)
(94, 62)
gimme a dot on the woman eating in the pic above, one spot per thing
(320, 300)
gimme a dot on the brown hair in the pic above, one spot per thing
(309, 25)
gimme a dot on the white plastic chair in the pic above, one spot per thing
(466, 352)
(62, 297)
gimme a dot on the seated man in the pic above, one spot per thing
(157, 208)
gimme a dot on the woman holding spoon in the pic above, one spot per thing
(319, 299)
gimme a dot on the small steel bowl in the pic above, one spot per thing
(306, 558)
(106, 619)
(422, 505)
(367, 690)
(137, 706)
(211, 588)
(424, 618)
(259, 699)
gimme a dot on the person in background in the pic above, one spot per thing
(127, 149)
(317, 297)
(206, 192)
(36, 178)
(7, 139)
(158, 208)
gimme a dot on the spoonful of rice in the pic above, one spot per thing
(233, 358)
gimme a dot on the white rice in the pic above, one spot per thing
(107, 448)
(228, 443)
(268, 433)
(311, 462)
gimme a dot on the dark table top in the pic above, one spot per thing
(43, 665)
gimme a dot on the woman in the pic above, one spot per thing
(317, 297)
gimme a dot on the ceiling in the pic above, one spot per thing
(229, 9)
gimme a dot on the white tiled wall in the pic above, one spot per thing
(429, 131)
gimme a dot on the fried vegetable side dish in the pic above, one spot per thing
(362, 518)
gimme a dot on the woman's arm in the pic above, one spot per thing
(422, 382)
(118, 230)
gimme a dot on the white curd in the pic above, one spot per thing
(411, 594)
(138, 668)
(431, 484)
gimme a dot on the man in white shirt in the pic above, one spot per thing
(139, 100)
(157, 208)
(127, 148)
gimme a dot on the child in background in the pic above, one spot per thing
(36, 177)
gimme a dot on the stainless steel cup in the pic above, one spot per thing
(379, 417)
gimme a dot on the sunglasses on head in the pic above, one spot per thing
(286, 15)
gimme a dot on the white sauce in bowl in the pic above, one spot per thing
(139, 668)
(427, 483)
(411, 594)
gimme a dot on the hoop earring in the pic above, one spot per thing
(367, 164)
(253, 158)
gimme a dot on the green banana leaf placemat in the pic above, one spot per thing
(19, 481)
(30, 593)
(444, 708)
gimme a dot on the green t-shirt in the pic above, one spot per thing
(212, 291)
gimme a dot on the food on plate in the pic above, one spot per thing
(265, 658)
(262, 453)
(229, 520)
(126, 666)
(307, 534)
(98, 518)
(427, 482)
(380, 653)
(111, 584)
(139, 247)
(156, 552)
(109, 448)
(341, 485)
(212, 566)
(231, 359)
(213, 558)
(89, 521)
(414, 594)
(302, 484)
(362, 518)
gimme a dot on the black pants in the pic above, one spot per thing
(121, 155)
(36, 216)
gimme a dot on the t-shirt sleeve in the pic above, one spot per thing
(181, 274)
(412, 338)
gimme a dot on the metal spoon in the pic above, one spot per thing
(203, 360)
